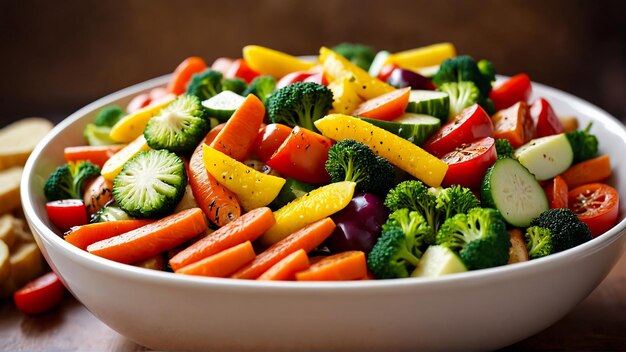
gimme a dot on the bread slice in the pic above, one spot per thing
(10, 189)
(18, 140)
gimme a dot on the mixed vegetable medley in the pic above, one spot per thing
(357, 165)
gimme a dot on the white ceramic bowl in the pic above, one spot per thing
(479, 310)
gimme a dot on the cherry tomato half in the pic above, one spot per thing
(269, 139)
(240, 69)
(40, 295)
(596, 204)
(293, 77)
(386, 71)
(183, 72)
(467, 164)
(546, 121)
(138, 102)
(67, 213)
(385, 107)
(471, 124)
(302, 156)
(556, 191)
(517, 88)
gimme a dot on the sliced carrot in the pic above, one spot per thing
(287, 267)
(218, 203)
(556, 191)
(182, 74)
(247, 227)
(514, 124)
(588, 171)
(152, 239)
(337, 267)
(221, 264)
(83, 236)
(306, 238)
(237, 137)
(385, 107)
(96, 154)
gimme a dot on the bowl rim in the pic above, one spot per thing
(466, 278)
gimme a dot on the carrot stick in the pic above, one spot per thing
(218, 203)
(83, 236)
(514, 124)
(306, 238)
(221, 264)
(182, 74)
(588, 171)
(556, 191)
(96, 154)
(287, 268)
(247, 227)
(237, 137)
(337, 267)
(151, 239)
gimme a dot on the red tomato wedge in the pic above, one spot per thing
(240, 69)
(546, 121)
(467, 164)
(517, 88)
(269, 139)
(386, 71)
(471, 124)
(182, 74)
(67, 213)
(385, 107)
(302, 156)
(556, 191)
(595, 204)
(293, 77)
(40, 295)
(514, 124)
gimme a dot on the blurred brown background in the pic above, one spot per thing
(57, 56)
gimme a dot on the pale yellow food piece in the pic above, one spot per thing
(132, 125)
(21, 230)
(114, 165)
(18, 140)
(26, 264)
(273, 62)
(10, 189)
(518, 252)
(7, 232)
(425, 56)
(570, 123)
(345, 98)
(5, 264)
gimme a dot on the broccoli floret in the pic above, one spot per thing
(179, 127)
(488, 105)
(400, 245)
(462, 95)
(69, 180)
(504, 149)
(567, 230)
(98, 135)
(300, 104)
(455, 200)
(262, 87)
(584, 144)
(110, 213)
(487, 69)
(359, 54)
(463, 69)
(150, 184)
(235, 85)
(205, 84)
(479, 237)
(349, 160)
(539, 241)
(108, 116)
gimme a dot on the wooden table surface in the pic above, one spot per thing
(596, 324)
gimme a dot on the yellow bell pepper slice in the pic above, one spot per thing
(273, 62)
(132, 125)
(313, 206)
(337, 67)
(114, 165)
(421, 57)
(345, 98)
(397, 150)
(254, 189)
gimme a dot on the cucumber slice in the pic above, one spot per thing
(546, 157)
(379, 61)
(438, 261)
(415, 128)
(292, 189)
(223, 105)
(429, 102)
(509, 187)
(150, 184)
